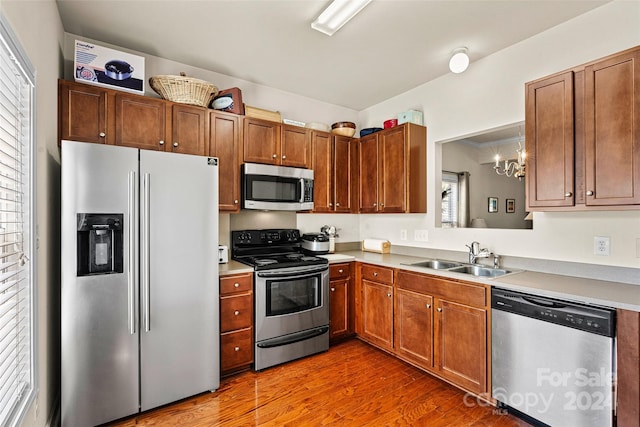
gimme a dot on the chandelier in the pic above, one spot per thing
(514, 168)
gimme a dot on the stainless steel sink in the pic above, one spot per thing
(479, 270)
(436, 264)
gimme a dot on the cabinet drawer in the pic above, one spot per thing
(339, 271)
(236, 312)
(235, 284)
(236, 349)
(378, 274)
(464, 293)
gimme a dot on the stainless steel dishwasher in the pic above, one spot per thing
(553, 361)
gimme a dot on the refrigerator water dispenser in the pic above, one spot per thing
(100, 245)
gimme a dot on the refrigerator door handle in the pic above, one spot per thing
(132, 277)
(145, 252)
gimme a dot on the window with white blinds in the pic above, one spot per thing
(17, 297)
(450, 198)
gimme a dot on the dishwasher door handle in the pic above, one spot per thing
(543, 303)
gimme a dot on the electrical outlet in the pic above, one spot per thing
(601, 245)
(421, 235)
(403, 234)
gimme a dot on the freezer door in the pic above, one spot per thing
(179, 277)
(99, 337)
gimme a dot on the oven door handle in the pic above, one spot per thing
(293, 338)
(299, 271)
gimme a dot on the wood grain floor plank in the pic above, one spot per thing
(353, 384)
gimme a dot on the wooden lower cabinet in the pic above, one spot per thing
(413, 326)
(437, 324)
(236, 323)
(461, 344)
(341, 300)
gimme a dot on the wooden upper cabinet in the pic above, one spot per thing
(368, 174)
(322, 165)
(295, 149)
(224, 143)
(612, 130)
(140, 122)
(333, 160)
(393, 170)
(261, 141)
(344, 174)
(188, 130)
(583, 136)
(550, 141)
(82, 113)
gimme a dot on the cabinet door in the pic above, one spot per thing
(612, 131)
(295, 146)
(393, 188)
(224, 143)
(550, 142)
(414, 327)
(461, 344)
(344, 174)
(368, 174)
(140, 122)
(83, 113)
(188, 130)
(321, 155)
(261, 141)
(339, 303)
(377, 316)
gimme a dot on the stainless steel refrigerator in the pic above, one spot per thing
(139, 303)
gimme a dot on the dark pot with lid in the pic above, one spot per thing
(118, 70)
(315, 243)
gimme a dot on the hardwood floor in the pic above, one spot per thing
(353, 384)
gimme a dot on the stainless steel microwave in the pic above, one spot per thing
(281, 188)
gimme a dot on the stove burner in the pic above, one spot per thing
(265, 261)
(295, 256)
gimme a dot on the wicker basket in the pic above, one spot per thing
(183, 89)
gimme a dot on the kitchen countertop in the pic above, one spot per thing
(590, 291)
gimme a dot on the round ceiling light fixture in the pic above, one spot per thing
(459, 60)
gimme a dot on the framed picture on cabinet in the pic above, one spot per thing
(511, 205)
(493, 204)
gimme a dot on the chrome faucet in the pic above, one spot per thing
(475, 252)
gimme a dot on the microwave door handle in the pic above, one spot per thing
(301, 190)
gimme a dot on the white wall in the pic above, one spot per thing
(490, 94)
(39, 30)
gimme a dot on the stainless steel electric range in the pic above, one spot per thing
(291, 295)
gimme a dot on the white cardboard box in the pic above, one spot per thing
(110, 68)
(411, 116)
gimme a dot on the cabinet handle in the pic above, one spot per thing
(337, 205)
(284, 157)
(428, 305)
(439, 309)
(382, 205)
(567, 194)
(389, 294)
(102, 134)
(236, 349)
(236, 313)
(235, 202)
(161, 142)
(341, 271)
(236, 285)
(333, 289)
(375, 274)
(589, 193)
(274, 156)
(375, 204)
(175, 144)
(330, 204)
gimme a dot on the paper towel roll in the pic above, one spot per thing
(376, 245)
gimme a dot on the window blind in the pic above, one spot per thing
(16, 219)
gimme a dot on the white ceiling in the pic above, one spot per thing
(390, 47)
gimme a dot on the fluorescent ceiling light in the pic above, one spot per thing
(337, 14)
(459, 61)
